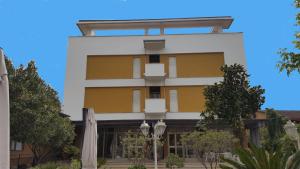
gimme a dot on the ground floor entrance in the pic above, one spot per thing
(110, 136)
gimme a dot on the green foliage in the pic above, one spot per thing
(75, 164)
(134, 147)
(73, 152)
(52, 165)
(233, 99)
(260, 158)
(208, 146)
(101, 162)
(275, 130)
(140, 166)
(290, 60)
(174, 161)
(34, 112)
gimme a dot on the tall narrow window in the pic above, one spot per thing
(136, 107)
(154, 92)
(154, 58)
(173, 101)
(136, 68)
(172, 67)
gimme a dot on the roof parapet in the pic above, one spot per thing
(88, 27)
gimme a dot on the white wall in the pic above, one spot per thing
(79, 47)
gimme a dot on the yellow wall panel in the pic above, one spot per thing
(112, 100)
(199, 65)
(109, 67)
(191, 99)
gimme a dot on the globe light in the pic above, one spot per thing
(145, 128)
(159, 128)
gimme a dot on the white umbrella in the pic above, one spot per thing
(89, 148)
(4, 114)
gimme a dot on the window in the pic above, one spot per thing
(136, 101)
(16, 146)
(154, 58)
(154, 92)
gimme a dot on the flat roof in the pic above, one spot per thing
(86, 26)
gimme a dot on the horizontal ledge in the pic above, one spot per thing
(141, 116)
(142, 82)
(86, 26)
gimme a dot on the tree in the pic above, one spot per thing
(290, 60)
(135, 149)
(233, 100)
(275, 129)
(35, 108)
(208, 146)
(259, 158)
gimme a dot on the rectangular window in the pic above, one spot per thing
(173, 101)
(154, 92)
(172, 67)
(154, 58)
(136, 101)
(16, 146)
(136, 68)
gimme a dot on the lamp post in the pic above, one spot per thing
(159, 129)
(291, 130)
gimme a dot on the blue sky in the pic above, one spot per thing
(39, 29)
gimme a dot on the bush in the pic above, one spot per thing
(174, 161)
(75, 164)
(71, 151)
(140, 166)
(101, 162)
(51, 165)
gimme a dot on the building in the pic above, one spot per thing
(130, 78)
(293, 115)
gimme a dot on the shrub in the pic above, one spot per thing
(140, 166)
(259, 157)
(101, 162)
(209, 145)
(75, 164)
(71, 151)
(134, 147)
(51, 165)
(174, 161)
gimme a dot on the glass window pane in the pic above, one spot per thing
(172, 151)
(19, 146)
(178, 139)
(171, 140)
(179, 151)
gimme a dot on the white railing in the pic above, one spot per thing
(155, 106)
(154, 70)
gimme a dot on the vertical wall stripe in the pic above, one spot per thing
(173, 101)
(136, 107)
(136, 68)
(172, 67)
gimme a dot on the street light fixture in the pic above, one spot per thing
(291, 130)
(159, 129)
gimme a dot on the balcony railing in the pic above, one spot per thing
(155, 105)
(154, 71)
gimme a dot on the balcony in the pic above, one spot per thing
(155, 106)
(154, 71)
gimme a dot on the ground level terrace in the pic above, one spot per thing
(110, 134)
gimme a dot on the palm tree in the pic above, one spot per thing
(259, 158)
